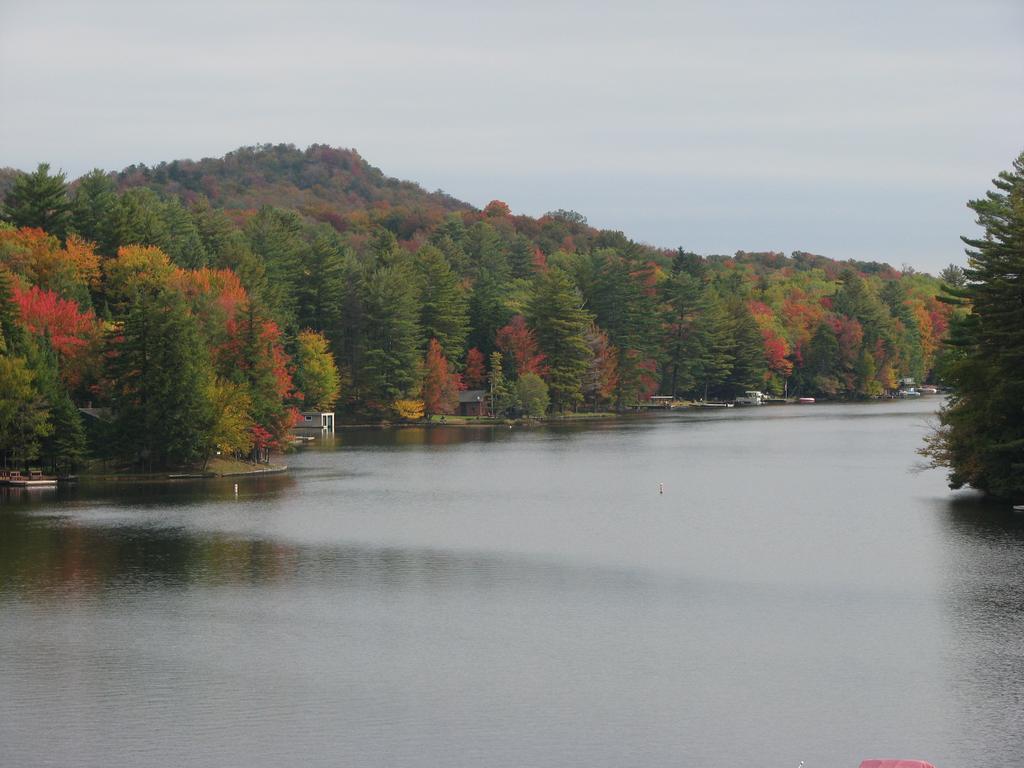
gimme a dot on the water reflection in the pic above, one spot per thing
(42, 560)
(39, 560)
(984, 602)
(485, 596)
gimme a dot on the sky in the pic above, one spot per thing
(850, 129)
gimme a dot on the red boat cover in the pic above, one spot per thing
(895, 764)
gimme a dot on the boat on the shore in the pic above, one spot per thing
(805, 400)
(751, 397)
(705, 404)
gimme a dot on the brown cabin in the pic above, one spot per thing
(473, 402)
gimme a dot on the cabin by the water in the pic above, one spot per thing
(321, 421)
(473, 402)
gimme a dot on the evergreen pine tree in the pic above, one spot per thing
(161, 373)
(443, 304)
(681, 294)
(321, 294)
(748, 368)
(275, 237)
(39, 200)
(556, 314)
(391, 337)
(500, 389)
(981, 438)
(64, 448)
(24, 421)
(93, 211)
(715, 354)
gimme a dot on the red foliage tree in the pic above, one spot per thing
(496, 209)
(540, 261)
(603, 374)
(74, 335)
(517, 342)
(475, 375)
(46, 313)
(776, 354)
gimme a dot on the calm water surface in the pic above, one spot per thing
(496, 597)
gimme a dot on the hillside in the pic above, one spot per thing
(321, 182)
(318, 181)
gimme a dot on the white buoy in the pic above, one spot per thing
(661, 488)
(236, 489)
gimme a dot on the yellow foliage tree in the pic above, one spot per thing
(316, 375)
(408, 410)
(229, 430)
(136, 266)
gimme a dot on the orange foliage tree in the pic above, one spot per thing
(440, 386)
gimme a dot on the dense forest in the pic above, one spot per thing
(196, 306)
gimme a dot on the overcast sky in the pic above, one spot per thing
(851, 129)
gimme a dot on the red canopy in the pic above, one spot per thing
(895, 764)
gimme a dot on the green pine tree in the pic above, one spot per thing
(24, 417)
(321, 294)
(981, 437)
(714, 344)
(443, 305)
(39, 200)
(501, 391)
(93, 211)
(681, 294)
(276, 239)
(748, 368)
(162, 374)
(392, 337)
(64, 448)
(556, 314)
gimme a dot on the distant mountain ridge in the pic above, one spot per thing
(285, 176)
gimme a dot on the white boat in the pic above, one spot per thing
(909, 392)
(751, 397)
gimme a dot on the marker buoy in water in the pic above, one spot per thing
(661, 488)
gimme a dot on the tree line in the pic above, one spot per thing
(204, 327)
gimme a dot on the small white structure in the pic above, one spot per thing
(321, 421)
(751, 397)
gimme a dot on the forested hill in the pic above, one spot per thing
(322, 182)
(307, 278)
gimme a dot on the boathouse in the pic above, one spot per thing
(322, 421)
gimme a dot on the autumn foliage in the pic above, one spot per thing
(440, 386)
(308, 279)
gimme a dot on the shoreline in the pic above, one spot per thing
(217, 469)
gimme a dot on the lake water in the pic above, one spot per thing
(526, 597)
